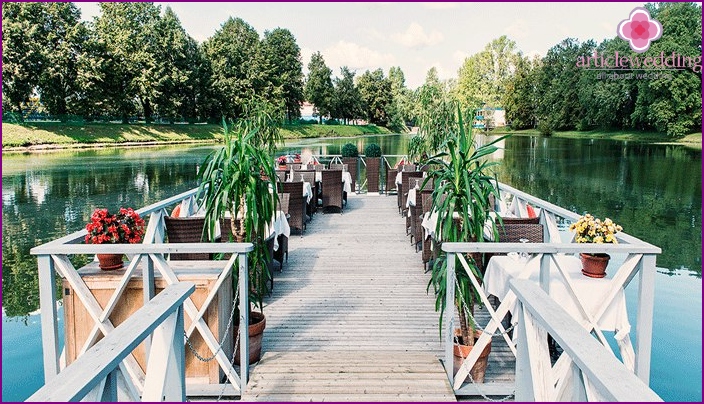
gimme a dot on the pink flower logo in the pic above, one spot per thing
(639, 30)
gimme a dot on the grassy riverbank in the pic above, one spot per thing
(693, 140)
(58, 135)
(38, 136)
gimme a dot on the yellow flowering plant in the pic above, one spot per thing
(592, 230)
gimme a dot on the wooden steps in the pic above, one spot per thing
(348, 376)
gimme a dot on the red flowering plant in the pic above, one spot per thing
(121, 228)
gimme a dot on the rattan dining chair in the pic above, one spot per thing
(309, 177)
(332, 189)
(296, 206)
(186, 230)
(390, 179)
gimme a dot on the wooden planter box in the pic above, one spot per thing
(203, 274)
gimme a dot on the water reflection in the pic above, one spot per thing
(653, 191)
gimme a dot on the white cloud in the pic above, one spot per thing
(459, 56)
(355, 57)
(415, 37)
(518, 30)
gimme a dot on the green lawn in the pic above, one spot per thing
(74, 135)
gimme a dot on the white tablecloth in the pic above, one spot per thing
(307, 191)
(399, 179)
(279, 227)
(589, 291)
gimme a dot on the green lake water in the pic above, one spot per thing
(653, 191)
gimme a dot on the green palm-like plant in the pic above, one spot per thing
(463, 183)
(232, 181)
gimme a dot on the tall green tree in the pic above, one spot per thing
(174, 81)
(559, 104)
(347, 100)
(520, 98)
(283, 57)
(375, 90)
(319, 89)
(237, 66)
(401, 108)
(128, 32)
(436, 112)
(673, 103)
(483, 77)
(21, 55)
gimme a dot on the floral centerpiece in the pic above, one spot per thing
(589, 229)
(282, 160)
(124, 227)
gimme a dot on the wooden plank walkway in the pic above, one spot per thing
(354, 292)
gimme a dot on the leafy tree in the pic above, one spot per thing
(521, 94)
(128, 32)
(559, 104)
(375, 90)
(175, 81)
(61, 35)
(402, 95)
(319, 89)
(347, 100)
(436, 114)
(283, 57)
(237, 66)
(22, 56)
(673, 103)
(484, 76)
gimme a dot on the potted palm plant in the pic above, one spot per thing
(462, 186)
(373, 160)
(234, 181)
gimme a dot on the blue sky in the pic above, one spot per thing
(414, 36)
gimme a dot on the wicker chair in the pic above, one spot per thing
(337, 166)
(281, 174)
(426, 197)
(403, 189)
(390, 179)
(332, 189)
(282, 251)
(318, 167)
(309, 177)
(297, 205)
(409, 182)
(186, 230)
(514, 232)
(520, 220)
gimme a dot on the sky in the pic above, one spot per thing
(414, 36)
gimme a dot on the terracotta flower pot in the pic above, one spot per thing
(256, 333)
(462, 351)
(594, 265)
(110, 262)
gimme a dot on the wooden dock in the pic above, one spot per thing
(350, 310)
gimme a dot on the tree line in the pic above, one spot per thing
(557, 92)
(134, 60)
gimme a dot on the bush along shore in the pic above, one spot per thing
(40, 136)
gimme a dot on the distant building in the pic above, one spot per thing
(489, 118)
(307, 111)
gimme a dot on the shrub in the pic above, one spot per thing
(544, 128)
(372, 150)
(349, 150)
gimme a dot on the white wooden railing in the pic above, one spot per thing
(640, 259)
(592, 373)
(94, 375)
(53, 258)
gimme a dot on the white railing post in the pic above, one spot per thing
(644, 317)
(244, 321)
(49, 320)
(449, 316)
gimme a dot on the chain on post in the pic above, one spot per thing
(457, 341)
(222, 339)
